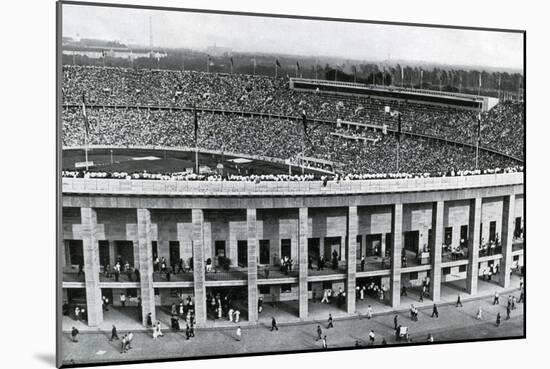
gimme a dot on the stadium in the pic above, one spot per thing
(197, 194)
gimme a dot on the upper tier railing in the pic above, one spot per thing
(283, 188)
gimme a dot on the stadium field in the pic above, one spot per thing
(132, 160)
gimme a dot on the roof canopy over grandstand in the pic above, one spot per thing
(458, 100)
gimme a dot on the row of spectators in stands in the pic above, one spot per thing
(270, 137)
(502, 127)
(277, 177)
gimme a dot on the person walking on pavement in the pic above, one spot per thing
(498, 319)
(129, 338)
(123, 344)
(319, 333)
(458, 302)
(369, 312)
(395, 322)
(325, 346)
(74, 333)
(274, 324)
(435, 313)
(114, 335)
(239, 333)
(508, 310)
(479, 315)
(330, 325)
(187, 332)
(496, 300)
(521, 296)
(372, 337)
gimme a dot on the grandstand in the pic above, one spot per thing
(258, 115)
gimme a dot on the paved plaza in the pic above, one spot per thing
(454, 323)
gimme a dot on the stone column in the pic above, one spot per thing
(397, 235)
(147, 291)
(352, 262)
(507, 238)
(91, 266)
(473, 250)
(197, 218)
(302, 260)
(252, 256)
(436, 250)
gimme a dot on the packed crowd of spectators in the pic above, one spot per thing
(502, 127)
(127, 125)
(269, 137)
(279, 177)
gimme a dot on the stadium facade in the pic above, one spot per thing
(404, 228)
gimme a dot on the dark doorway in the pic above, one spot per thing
(333, 244)
(517, 227)
(242, 253)
(389, 245)
(286, 248)
(155, 247)
(463, 235)
(76, 252)
(264, 251)
(448, 235)
(104, 253)
(219, 248)
(492, 230)
(360, 253)
(313, 248)
(174, 252)
(125, 250)
(373, 243)
(76, 296)
(411, 241)
(108, 293)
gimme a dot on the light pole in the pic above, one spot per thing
(196, 138)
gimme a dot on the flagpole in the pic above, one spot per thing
(478, 138)
(86, 150)
(479, 88)
(196, 139)
(86, 126)
(398, 140)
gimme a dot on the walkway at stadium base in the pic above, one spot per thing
(286, 312)
(453, 324)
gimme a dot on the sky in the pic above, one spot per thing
(354, 41)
